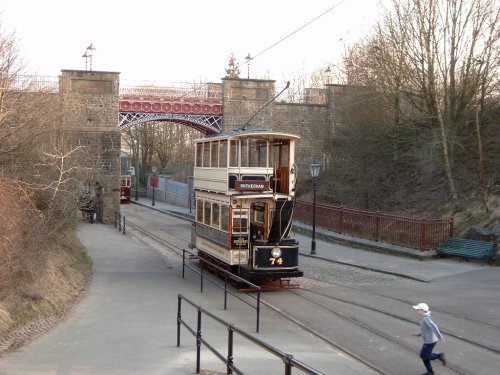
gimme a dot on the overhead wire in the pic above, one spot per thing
(250, 58)
(292, 33)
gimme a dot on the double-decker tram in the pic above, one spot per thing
(244, 183)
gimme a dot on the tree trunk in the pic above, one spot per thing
(447, 165)
(482, 183)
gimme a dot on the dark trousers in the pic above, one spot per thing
(427, 355)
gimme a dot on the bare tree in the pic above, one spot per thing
(437, 60)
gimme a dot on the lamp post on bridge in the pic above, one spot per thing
(248, 58)
(314, 174)
(328, 73)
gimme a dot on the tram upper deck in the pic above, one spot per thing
(245, 162)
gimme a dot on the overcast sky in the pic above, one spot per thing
(186, 40)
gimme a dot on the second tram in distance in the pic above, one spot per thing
(244, 183)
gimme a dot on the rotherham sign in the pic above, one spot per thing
(252, 185)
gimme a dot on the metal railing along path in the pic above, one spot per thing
(227, 275)
(288, 360)
(422, 234)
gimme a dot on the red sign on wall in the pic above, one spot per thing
(153, 182)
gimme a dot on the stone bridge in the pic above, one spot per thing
(95, 108)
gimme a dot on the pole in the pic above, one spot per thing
(313, 243)
(137, 169)
(154, 183)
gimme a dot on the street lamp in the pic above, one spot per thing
(328, 73)
(154, 182)
(248, 58)
(137, 167)
(314, 174)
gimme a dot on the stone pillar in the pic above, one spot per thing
(241, 98)
(90, 102)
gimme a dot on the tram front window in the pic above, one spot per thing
(240, 225)
(258, 153)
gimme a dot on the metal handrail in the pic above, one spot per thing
(227, 275)
(288, 360)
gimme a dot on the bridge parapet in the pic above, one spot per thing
(173, 90)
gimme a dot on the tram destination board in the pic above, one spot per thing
(249, 185)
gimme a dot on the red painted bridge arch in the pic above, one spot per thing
(203, 114)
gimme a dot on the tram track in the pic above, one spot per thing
(178, 252)
(402, 300)
(359, 324)
(402, 318)
(310, 298)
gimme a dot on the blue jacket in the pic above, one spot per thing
(429, 330)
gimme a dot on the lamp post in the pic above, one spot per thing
(314, 174)
(154, 182)
(137, 168)
(248, 58)
(328, 73)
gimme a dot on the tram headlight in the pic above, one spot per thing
(276, 252)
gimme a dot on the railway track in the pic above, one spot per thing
(174, 249)
(353, 315)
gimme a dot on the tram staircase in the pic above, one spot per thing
(282, 221)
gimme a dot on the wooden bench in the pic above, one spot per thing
(472, 249)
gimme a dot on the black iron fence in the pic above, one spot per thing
(229, 358)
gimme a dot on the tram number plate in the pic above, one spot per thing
(276, 261)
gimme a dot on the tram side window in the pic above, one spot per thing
(215, 155)
(206, 213)
(206, 154)
(224, 223)
(223, 154)
(233, 153)
(215, 216)
(199, 211)
(199, 154)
